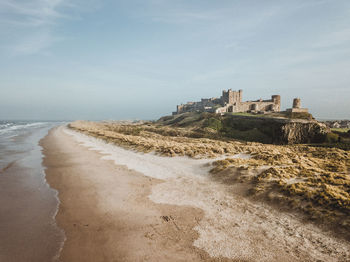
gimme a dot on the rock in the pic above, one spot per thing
(277, 130)
(301, 132)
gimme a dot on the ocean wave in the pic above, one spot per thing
(5, 125)
(10, 127)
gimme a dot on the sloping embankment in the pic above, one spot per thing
(257, 128)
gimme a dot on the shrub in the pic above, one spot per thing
(213, 123)
(332, 138)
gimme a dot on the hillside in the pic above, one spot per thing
(277, 128)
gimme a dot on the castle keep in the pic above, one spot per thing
(231, 101)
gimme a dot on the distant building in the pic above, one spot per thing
(335, 125)
(231, 101)
(338, 123)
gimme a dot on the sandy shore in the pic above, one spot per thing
(171, 210)
(106, 214)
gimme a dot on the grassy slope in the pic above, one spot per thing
(212, 124)
(264, 128)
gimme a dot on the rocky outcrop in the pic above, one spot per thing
(301, 132)
(275, 130)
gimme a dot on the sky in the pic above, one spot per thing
(138, 59)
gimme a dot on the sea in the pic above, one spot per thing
(28, 205)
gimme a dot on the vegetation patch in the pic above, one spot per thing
(338, 138)
(298, 115)
(213, 123)
(341, 130)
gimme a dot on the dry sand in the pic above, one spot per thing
(111, 213)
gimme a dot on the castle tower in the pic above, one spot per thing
(296, 103)
(227, 96)
(230, 97)
(297, 107)
(240, 95)
(277, 103)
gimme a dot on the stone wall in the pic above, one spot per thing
(254, 106)
(298, 110)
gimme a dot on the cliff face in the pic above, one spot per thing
(276, 130)
(297, 132)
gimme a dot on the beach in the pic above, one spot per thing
(174, 131)
(106, 214)
(120, 205)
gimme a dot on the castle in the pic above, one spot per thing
(231, 101)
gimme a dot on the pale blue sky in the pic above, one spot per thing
(89, 59)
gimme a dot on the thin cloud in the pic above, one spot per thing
(35, 44)
(34, 13)
(185, 17)
(30, 25)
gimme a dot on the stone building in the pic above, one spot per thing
(297, 107)
(231, 101)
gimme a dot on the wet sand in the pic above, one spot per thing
(105, 211)
(28, 232)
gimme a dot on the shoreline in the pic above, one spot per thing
(105, 211)
(28, 230)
